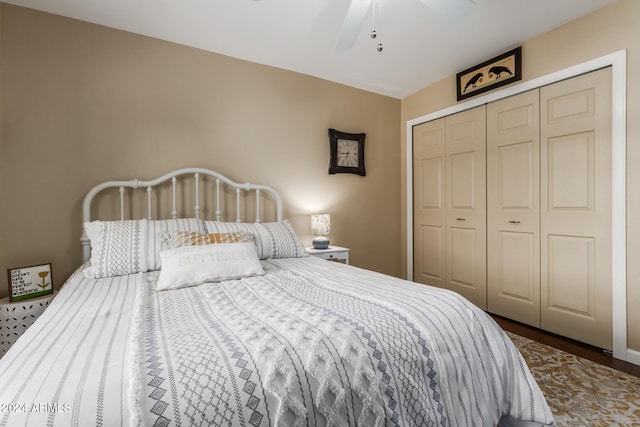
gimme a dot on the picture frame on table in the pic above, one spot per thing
(494, 73)
(30, 282)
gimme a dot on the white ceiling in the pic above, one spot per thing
(419, 45)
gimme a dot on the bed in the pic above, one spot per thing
(189, 321)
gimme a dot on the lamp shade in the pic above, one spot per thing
(320, 224)
(321, 227)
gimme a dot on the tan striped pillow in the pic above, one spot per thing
(185, 238)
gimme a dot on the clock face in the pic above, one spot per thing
(347, 153)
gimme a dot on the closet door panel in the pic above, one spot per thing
(463, 177)
(429, 203)
(518, 267)
(571, 275)
(571, 172)
(430, 183)
(465, 204)
(431, 266)
(513, 214)
(576, 208)
(515, 175)
(462, 267)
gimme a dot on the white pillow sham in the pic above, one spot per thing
(272, 239)
(194, 265)
(131, 246)
(117, 248)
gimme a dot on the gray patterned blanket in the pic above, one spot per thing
(314, 343)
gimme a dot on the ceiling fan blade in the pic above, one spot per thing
(450, 8)
(353, 23)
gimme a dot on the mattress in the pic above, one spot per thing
(310, 343)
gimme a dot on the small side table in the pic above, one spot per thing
(16, 317)
(333, 253)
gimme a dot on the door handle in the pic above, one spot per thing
(514, 222)
(461, 219)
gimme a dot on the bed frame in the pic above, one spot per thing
(181, 174)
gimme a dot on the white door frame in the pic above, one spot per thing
(618, 62)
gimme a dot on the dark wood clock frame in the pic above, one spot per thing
(334, 136)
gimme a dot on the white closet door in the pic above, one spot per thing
(576, 208)
(428, 203)
(449, 181)
(513, 208)
(465, 214)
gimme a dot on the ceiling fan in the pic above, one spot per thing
(358, 10)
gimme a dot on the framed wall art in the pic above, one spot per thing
(346, 152)
(491, 74)
(30, 282)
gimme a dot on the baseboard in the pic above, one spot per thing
(633, 356)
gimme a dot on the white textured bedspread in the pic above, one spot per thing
(311, 343)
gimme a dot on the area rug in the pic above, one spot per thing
(581, 392)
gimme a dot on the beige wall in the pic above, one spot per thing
(608, 30)
(83, 103)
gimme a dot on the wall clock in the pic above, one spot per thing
(346, 152)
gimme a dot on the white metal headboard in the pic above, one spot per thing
(196, 174)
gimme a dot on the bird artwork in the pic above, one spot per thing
(473, 81)
(497, 70)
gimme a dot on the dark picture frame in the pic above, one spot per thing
(354, 139)
(491, 74)
(30, 282)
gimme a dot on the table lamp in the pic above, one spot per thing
(320, 226)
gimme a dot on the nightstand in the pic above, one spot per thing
(333, 253)
(16, 317)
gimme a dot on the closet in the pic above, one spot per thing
(544, 198)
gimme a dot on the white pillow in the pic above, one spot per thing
(273, 239)
(131, 246)
(117, 248)
(193, 265)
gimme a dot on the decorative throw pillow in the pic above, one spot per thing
(194, 265)
(117, 248)
(273, 239)
(159, 228)
(186, 238)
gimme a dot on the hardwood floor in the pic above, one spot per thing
(566, 344)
